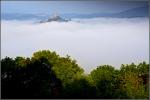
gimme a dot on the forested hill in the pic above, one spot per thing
(48, 75)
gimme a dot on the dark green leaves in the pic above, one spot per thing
(47, 75)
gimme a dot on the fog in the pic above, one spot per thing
(92, 42)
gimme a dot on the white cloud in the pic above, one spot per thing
(91, 42)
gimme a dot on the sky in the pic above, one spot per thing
(78, 7)
(92, 42)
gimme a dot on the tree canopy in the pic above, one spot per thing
(48, 75)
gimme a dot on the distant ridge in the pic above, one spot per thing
(17, 16)
(134, 12)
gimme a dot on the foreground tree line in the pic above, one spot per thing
(47, 75)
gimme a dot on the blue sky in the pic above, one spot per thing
(84, 7)
(92, 42)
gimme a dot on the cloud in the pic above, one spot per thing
(91, 42)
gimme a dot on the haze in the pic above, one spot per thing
(92, 42)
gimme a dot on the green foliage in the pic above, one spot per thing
(104, 81)
(48, 75)
(143, 68)
(52, 57)
(80, 88)
(65, 68)
(133, 82)
(31, 81)
(20, 61)
(7, 67)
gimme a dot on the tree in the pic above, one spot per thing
(8, 69)
(48, 75)
(20, 61)
(104, 81)
(65, 68)
(80, 88)
(131, 82)
(35, 80)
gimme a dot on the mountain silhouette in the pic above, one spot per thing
(134, 12)
(55, 18)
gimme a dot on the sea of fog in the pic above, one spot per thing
(92, 42)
